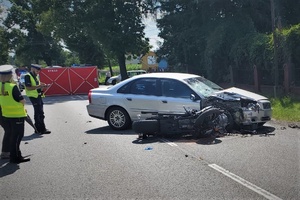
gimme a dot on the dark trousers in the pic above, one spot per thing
(38, 113)
(13, 134)
(106, 79)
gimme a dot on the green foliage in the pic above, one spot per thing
(100, 30)
(286, 109)
(289, 12)
(116, 71)
(96, 31)
(71, 58)
(116, 68)
(3, 42)
(260, 52)
(200, 36)
(28, 42)
(252, 49)
(4, 46)
(209, 36)
(292, 43)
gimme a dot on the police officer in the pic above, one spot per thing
(34, 92)
(13, 115)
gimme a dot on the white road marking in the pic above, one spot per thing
(236, 178)
(245, 183)
(82, 97)
(169, 143)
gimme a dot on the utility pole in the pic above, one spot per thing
(275, 40)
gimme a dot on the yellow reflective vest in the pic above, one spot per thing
(10, 107)
(32, 93)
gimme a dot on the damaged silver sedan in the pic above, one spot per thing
(123, 103)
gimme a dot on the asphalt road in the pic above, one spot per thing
(84, 159)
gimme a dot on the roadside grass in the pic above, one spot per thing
(286, 109)
(116, 70)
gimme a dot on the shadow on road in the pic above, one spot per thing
(31, 137)
(59, 99)
(7, 168)
(209, 141)
(264, 131)
(107, 130)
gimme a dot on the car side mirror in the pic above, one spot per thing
(193, 97)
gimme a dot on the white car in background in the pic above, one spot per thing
(116, 79)
(123, 103)
(22, 81)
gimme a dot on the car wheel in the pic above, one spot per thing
(114, 82)
(118, 118)
(148, 126)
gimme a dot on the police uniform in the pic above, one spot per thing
(35, 96)
(13, 116)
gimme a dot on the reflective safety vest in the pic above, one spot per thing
(10, 107)
(33, 93)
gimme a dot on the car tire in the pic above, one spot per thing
(114, 82)
(148, 126)
(118, 118)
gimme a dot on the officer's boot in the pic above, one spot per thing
(19, 158)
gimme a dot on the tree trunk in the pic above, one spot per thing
(122, 65)
(110, 68)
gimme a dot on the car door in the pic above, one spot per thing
(175, 95)
(141, 96)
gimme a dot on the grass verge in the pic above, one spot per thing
(286, 109)
(116, 71)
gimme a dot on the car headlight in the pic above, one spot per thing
(254, 107)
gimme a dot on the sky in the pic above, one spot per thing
(151, 32)
(5, 3)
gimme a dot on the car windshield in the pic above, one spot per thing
(203, 86)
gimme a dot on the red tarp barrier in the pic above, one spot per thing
(69, 80)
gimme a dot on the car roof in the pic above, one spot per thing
(138, 70)
(174, 75)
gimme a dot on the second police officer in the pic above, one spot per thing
(34, 91)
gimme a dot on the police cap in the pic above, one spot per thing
(6, 69)
(36, 66)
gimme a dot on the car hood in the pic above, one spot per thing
(234, 93)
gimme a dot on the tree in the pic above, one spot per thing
(3, 42)
(111, 26)
(289, 12)
(23, 22)
(64, 20)
(292, 45)
(4, 46)
(209, 36)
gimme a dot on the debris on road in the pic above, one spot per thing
(294, 126)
